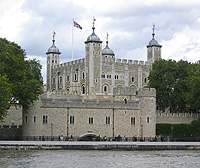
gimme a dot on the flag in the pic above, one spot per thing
(77, 25)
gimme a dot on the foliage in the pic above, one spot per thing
(177, 85)
(24, 75)
(5, 95)
(178, 130)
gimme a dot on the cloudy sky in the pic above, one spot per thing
(30, 24)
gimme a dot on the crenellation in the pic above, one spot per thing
(130, 62)
(124, 61)
(135, 62)
(141, 63)
(119, 61)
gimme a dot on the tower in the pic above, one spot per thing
(153, 49)
(53, 58)
(93, 49)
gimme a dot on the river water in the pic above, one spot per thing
(99, 159)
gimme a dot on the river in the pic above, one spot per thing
(99, 159)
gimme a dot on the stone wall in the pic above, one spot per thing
(11, 126)
(176, 118)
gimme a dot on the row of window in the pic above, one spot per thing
(83, 77)
(68, 78)
(90, 121)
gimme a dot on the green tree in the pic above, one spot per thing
(193, 83)
(24, 75)
(5, 95)
(170, 80)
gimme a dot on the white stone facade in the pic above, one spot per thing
(98, 95)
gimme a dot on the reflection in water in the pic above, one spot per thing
(94, 158)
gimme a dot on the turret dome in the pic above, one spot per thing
(53, 48)
(153, 42)
(107, 50)
(93, 37)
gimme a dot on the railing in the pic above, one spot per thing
(122, 139)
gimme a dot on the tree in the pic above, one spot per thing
(24, 75)
(5, 95)
(193, 83)
(170, 78)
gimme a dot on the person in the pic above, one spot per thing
(125, 138)
(61, 138)
(119, 138)
(105, 138)
(43, 138)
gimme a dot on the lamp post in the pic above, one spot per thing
(58, 80)
(12, 126)
(51, 131)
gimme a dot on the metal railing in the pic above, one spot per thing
(121, 139)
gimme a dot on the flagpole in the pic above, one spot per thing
(72, 39)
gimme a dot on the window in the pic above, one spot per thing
(145, 80)
(67, 77)
(116, 77)
(125, 101)
(132, 79)
(83, 75)
(147, 119)
(26, 119)
(75, 77)
(90, 120)
(71, 119)
(132, 120)
(105, 89)
(45, 118)
(54, 80)
(107, 120)
(103, 76)
(96, 80)
(109, 76)
(83, 89)
(60, 79)
(34, 119)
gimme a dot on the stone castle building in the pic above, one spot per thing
(95, 95)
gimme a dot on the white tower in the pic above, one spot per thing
(53, 58)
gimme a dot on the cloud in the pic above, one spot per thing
(30, 23)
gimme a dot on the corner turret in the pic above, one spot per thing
(153, 49)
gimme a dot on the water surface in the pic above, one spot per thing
(99, 159)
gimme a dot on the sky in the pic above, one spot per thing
(30, 24)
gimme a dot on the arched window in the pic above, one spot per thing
(132, 79)
(75, 77)
(83, 75)
(105, 88)
(67, 77)
(132, 120)
(145, 80)
(83, 89)
(125, 101)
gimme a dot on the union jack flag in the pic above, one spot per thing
(77, 25)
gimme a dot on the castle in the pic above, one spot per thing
(95, 95)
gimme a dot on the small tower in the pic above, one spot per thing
(53, 58)
(107, 51)
(93, 49)
(153, 49)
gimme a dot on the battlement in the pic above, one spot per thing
(147, 92)
(176, 118)
(75, 62)
(132, 62)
